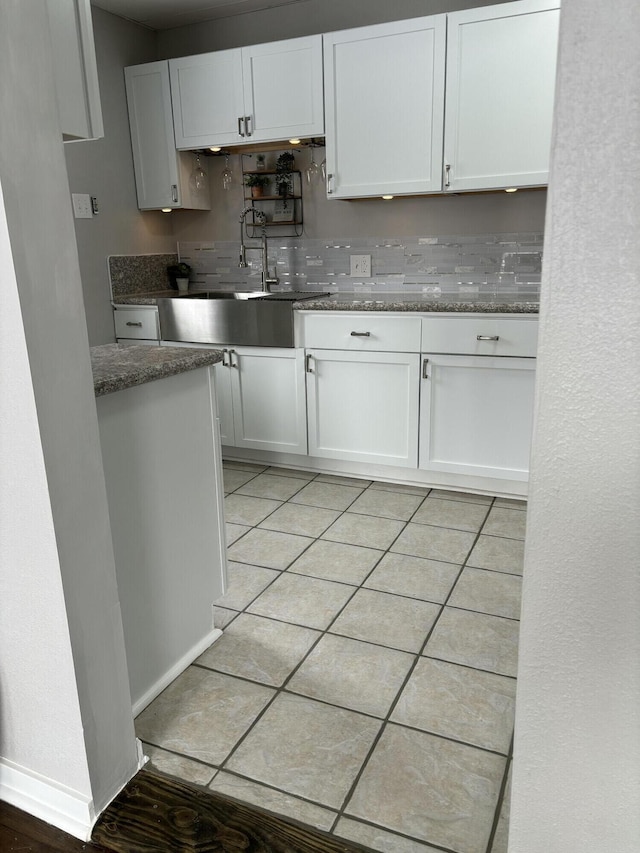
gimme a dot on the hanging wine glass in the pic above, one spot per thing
(227, 174)
(313, 170)
(198, 178)
(323, 169)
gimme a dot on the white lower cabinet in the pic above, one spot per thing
(261, 399)
(476, 414)
(363, 406)
(136, 324)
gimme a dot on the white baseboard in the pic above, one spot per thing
(171, 674)
(46, 799)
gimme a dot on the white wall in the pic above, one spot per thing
(79, 585)
(39, 701)
(104, 168)
(576, 784)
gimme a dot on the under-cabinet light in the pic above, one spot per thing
(294, 141)
(215, 149)
(387, 197)
(167, 209)
(512, 190)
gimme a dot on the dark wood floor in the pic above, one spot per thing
(156, 814)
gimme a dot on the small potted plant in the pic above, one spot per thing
(257, 184)
(284, 167)
(179, 275)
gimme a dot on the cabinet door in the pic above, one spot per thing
(363, 407)
(283, 89)
(384, 106)
(268, 391)
(208, 105)
(224, 401)
(476, 415)
(162, 173)
(154, 155)
(501, 68)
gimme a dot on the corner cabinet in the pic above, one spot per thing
(163, 175)
(384, 108)
(262, 93)
(501, 64)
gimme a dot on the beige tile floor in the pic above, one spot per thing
(365, 679)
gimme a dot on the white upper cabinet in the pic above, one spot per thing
(384, 108)
(263, 93)
(75, 70)
(163, 175)
(501, 68)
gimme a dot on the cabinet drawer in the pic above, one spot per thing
(481, 335)
(136, 323)
(366, 331)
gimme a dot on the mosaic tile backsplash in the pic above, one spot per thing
(486, 264)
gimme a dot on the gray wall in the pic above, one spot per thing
(576, 782)
(104, 168)
(45, 260)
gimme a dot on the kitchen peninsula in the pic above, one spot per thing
(163, 472)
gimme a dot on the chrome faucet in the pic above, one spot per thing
(267, 280)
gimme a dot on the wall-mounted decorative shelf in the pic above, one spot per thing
(280, 200)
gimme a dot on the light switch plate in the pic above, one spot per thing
(360, 266)
(82, 205)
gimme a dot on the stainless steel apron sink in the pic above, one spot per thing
(245, 319)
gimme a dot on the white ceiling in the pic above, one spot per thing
(164, 14)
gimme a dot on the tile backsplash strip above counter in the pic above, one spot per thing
(483, 265)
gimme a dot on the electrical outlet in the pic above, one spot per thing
(361, 265)
(82, 205)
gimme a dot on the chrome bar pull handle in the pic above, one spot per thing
(240, 130)
(174, 193)
(247, 125)
(425, 362)
(307, 363)
(139, 325)
(225, 363)
(447, 176)
(233, 362)
(329, 179)
(487, 337)
(360, 334)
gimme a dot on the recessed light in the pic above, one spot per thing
(294, 141)
(387, 197)
(512, 190)
(167, 209)
(215, 149)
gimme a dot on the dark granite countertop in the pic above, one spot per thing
(418, 302)
(116, 367)
(401, 302)
(148, 298)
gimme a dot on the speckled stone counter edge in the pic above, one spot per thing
(423, 305)
(116, 367)
(345, 303)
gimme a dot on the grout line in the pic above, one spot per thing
(283, 688)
